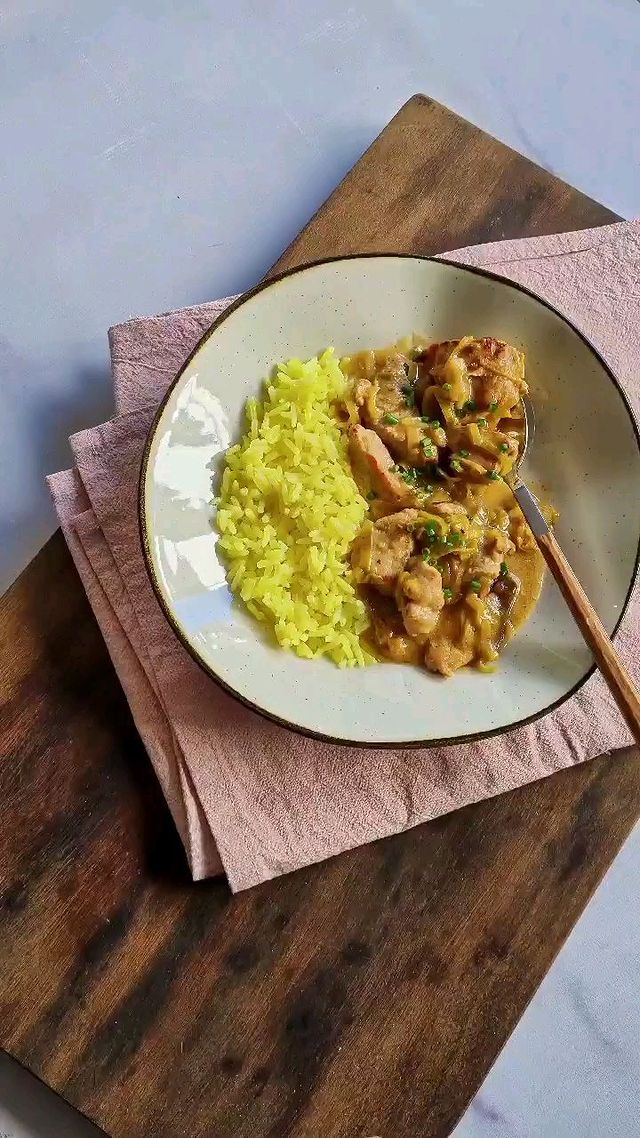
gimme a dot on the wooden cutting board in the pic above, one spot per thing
(368, 995)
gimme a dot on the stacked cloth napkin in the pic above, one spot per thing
(248, 797)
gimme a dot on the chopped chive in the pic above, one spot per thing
(371, 495)
(432, 527)
(475, 585)
(391, 420)
(493, 406)
(470, 405)
(463, 453)
(455, 465)
(447, 594)
(425, 419)
(446, 387)
(504, 569)
(426, 556)
(409, 394)
(504, 447)
(409, 475)
(493, 475)
(453, 537)
(428, 489)
(482, 423)
(435, 424)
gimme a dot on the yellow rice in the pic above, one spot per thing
(288, 511)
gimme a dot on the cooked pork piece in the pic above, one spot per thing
(487, 562)
(388, 632)
(387, 405)
(446, 656)
(372, 467)
(485, 371)
(419, 597)
(380, 553)
(447, 509)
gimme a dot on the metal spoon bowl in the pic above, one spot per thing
(525, 498)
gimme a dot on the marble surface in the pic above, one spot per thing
(571, 1069)
(163, 153)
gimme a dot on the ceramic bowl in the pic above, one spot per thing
(586, 453)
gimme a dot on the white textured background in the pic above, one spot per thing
(156, 153)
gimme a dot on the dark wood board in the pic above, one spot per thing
(368, 995)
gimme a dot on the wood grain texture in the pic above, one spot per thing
(620, 683)
(368, 995)
(433, 182)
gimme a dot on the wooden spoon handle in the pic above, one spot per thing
(620, 683)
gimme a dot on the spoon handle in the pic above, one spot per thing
(620, 683)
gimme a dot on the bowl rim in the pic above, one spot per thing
(413, 744)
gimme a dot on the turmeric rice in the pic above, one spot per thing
(288, 511)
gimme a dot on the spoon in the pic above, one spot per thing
(618, 679)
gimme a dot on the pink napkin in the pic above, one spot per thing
(250, 797)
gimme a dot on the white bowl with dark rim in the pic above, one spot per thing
(586, 453)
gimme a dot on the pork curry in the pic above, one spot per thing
(445, 561)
